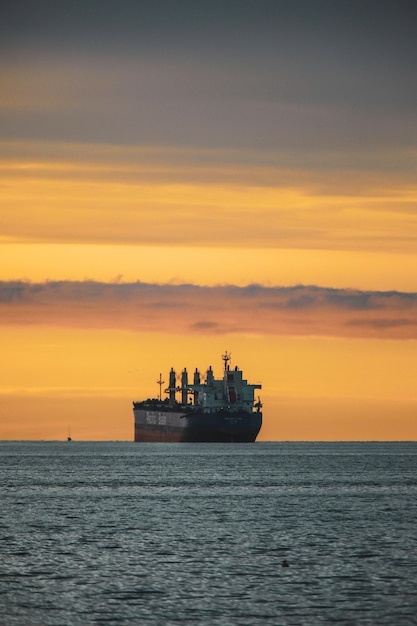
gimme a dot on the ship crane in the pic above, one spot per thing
(160, 383)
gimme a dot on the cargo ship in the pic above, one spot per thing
(216, 410)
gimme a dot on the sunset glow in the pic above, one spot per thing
(159, 205)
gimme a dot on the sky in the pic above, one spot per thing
(182, 178)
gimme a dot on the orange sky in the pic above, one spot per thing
(164, 199)
(336, 361)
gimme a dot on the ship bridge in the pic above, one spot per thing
(232, 391)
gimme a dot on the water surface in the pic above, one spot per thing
(125, 533)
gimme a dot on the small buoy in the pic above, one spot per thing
(285, 563)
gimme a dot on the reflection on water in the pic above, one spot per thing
(193, 533)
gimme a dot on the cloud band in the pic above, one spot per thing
(192, 309)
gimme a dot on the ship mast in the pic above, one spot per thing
(160, 383)
(226, 358)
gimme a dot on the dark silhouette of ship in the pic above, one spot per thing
(216, 410)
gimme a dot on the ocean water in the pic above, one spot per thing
(125, 533)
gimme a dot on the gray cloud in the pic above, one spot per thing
(383, 324)
(298, 310)
(297, 296)
(297, 75)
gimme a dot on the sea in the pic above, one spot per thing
(216, 534)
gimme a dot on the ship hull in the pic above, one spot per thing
(192, 427)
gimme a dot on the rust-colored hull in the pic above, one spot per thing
(155, 436)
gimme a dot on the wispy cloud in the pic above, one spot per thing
(191, 309)
(153, 196)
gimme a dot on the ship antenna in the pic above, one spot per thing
(160, 383)
(226, 358)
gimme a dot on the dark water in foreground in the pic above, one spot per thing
(124, 533)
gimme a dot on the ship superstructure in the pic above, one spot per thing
(216, 410)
